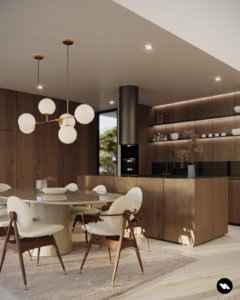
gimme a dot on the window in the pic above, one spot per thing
(108, 143)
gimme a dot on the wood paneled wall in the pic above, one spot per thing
(146, 149)
(22, 155)
(225, 149)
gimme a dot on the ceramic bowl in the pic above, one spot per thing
(174, 136)
(203, 135)
(237, 109)
(216, 134)
(54, 191)
(223, 134)
(236, 131)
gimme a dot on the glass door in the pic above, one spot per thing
(108, 143)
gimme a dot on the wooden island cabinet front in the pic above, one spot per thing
(186, 211)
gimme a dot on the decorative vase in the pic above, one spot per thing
(41, 184)
(191, 171)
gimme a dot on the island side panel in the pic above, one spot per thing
(211, 208)
(179, 223)
(121, 185)
(152, 206)
(234, 201)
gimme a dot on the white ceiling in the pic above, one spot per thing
(212, 26)
(108, 52)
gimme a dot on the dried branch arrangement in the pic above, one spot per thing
(49, 178)
(194, 150)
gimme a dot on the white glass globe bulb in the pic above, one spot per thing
(27, 131)
(26, 121)
(46, 106)
(67, 134)
(84, 114)
(70, 121)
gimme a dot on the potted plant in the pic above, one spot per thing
(42, 183)
(191, 154)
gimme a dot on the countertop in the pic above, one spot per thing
(185, 177)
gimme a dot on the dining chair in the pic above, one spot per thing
(78, 210)
(110, 233)
(34, 234)
(72, 187)
(3, 209)
(136, 194)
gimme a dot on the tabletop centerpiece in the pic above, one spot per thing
(192, 154)
(42, 183)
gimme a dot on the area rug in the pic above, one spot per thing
(48, 282)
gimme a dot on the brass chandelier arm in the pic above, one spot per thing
(55, 120)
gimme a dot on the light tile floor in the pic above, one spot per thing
(216, 259)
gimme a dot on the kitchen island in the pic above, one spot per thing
(186, 211)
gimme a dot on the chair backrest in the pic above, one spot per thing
(136, 194)
(4, 187)
(72, 187)
(118, 207)
(100, 189)
(24, 213)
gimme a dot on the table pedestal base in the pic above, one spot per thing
(54, 214)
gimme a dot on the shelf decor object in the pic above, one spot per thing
(236, 131)
(237, 109)
(191, 155)
(67, 134)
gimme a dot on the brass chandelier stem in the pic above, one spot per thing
(55, 120)
(67, 81)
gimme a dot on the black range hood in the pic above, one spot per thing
(128, 115)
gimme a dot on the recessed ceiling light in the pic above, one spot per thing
(40, 87)
(111, 102)
(148, 47)
(217, 78)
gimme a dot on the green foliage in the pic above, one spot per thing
(108, 151)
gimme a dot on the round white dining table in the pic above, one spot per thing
(55, 209)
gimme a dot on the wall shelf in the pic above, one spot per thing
(197, 120)
(206, 138)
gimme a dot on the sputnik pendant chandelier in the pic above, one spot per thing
(67, 134)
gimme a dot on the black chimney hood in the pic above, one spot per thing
(128, 115)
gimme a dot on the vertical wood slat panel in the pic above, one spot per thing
(8, 153)
(179, 222)
(146, 149)
(152, 206)
(8, 113)
(121, 185)
(223, 105)
(55, 160)
(29, 159)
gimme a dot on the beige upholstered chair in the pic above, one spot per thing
(3, 209)
(35, 234)
(110, 232)
(136, 194)
(78, 210)
(72, 187)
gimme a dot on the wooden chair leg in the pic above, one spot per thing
(58, 254)
(136, 247)
(146, 239)
(86, 237)
(118, 252)
(38, 254)
(109, 255)
(145, 232)
(75, 221)
(20, 254)
(4, 247)
(29, 253)
(85, 255)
